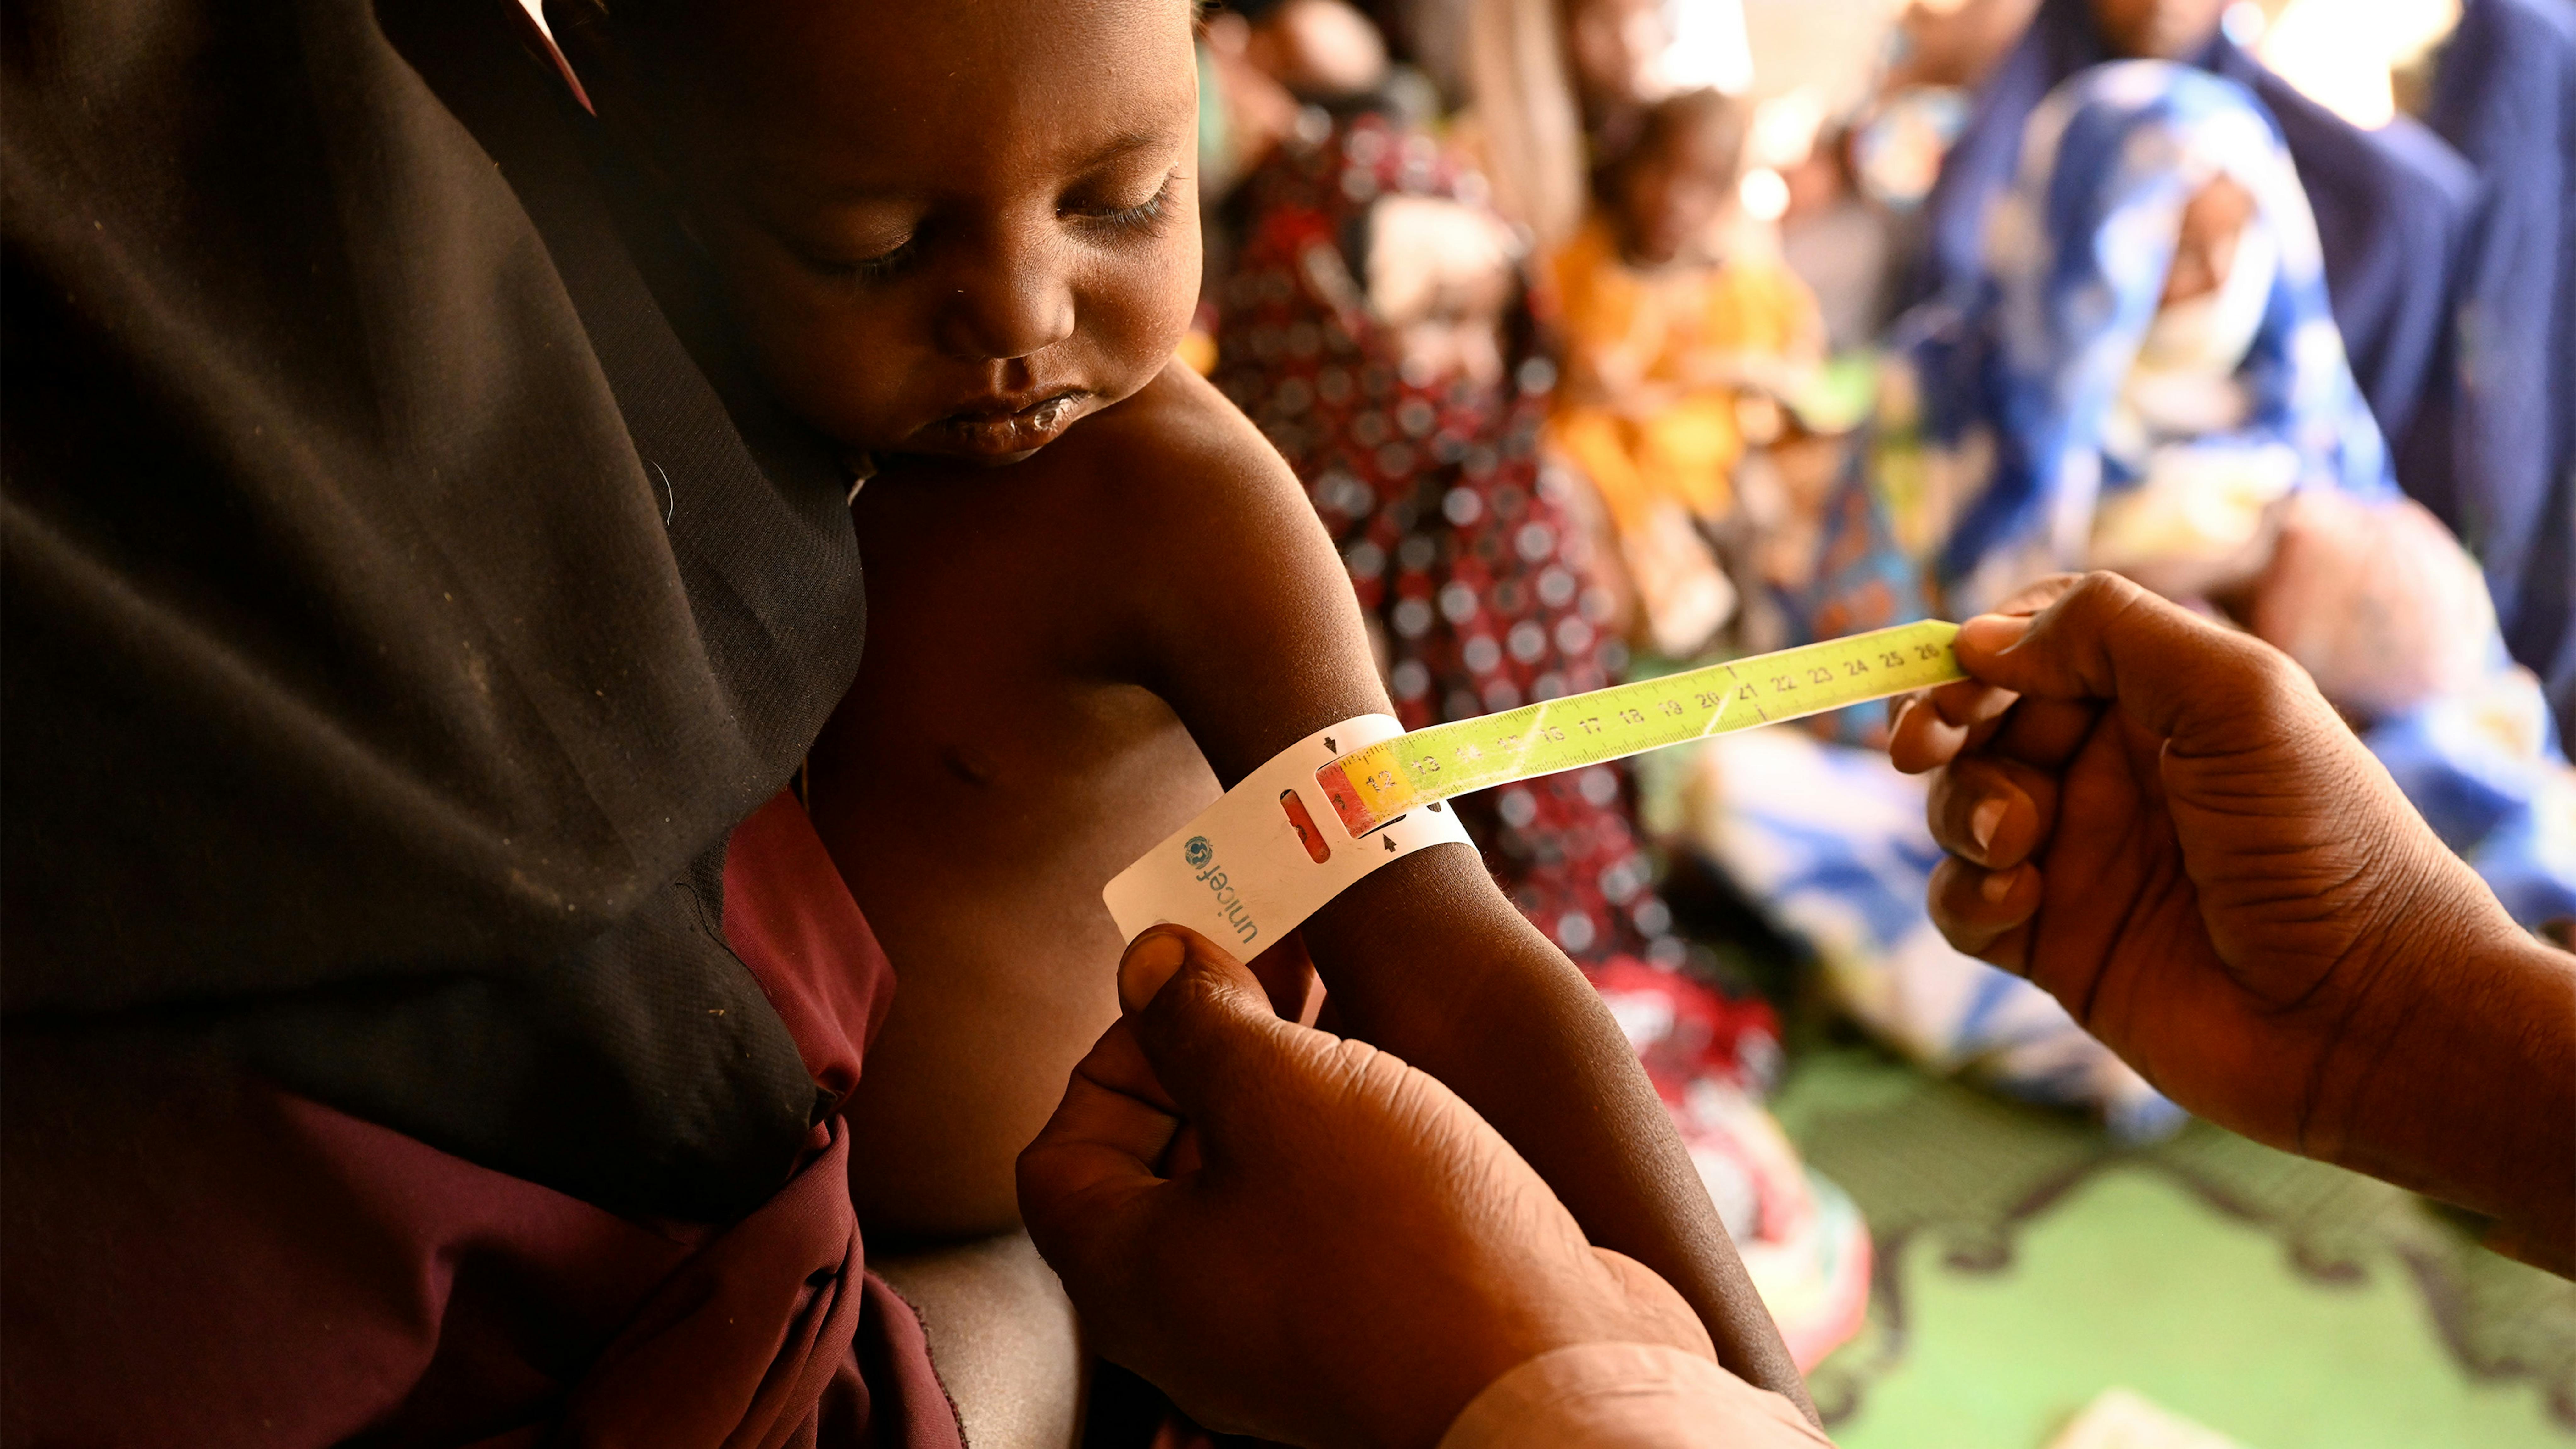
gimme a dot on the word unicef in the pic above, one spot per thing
(1229, 901)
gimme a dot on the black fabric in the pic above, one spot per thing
(362, 710)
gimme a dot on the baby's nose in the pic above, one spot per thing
(1019, 303)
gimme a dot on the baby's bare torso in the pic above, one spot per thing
(988, 773)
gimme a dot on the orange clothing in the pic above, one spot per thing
(1648, 410)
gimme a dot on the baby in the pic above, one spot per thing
(2373, 596)
(962, 240)
(1670, 349)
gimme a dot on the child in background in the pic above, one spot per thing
(1373, 329)
(1671, 347)
(1364, 331)
(1095, 594)
(1265, 66)
(1261, 61)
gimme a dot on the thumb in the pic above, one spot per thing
(2105, 638)
(1203, 1020)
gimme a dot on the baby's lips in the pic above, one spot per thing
(1011, 433)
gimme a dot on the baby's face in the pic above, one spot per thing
(1614, 46)
(2157, 29)
(1672, 197)
(951, 227)
(1440, 279)
(2205, 250)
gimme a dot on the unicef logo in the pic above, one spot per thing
(1230, 905)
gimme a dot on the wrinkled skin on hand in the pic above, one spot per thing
(2161, 822)
(1341, 1252)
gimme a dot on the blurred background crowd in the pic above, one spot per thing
(1611, 337)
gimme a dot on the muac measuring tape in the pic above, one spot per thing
(1345, 801)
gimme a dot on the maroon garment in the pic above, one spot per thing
(193, 1256)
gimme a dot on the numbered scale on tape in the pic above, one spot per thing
(1254, 865)
(1376, 785)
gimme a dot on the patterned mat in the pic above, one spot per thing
(1955, 1183)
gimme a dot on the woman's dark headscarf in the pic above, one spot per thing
(398, 618)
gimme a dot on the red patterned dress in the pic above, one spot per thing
(1457, 540)
(1477, 577)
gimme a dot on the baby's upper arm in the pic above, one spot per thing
(1245, 620)
(1249, 629)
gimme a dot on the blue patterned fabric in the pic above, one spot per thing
(2393, 205)
(2077, 250)
(1830, 842)
(2486, 769)
(2077, 253)
(1862, 580)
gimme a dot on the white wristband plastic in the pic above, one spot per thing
(1254, 865)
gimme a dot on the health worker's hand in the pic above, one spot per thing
(2161, 821)
(1342, 1252)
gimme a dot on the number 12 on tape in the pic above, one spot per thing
(1370, 787)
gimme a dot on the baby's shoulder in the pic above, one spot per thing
(1185, 476)
(1179, 443)
(1209, 551)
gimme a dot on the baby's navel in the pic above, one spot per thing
(970, 766)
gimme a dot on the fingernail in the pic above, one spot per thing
(1998, 885)
(1983, 820)
(1150, 962)
(1993, 633)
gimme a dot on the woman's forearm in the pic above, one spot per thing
(1432, 964)
(2463, 1085)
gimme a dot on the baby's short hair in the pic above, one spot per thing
(1707, 115)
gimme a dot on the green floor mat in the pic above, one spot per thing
(2027, 1262)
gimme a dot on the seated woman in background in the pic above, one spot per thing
(1373, 327)
(1665, 334)
(2162, 411)
(2148, 380)
(2396, 200)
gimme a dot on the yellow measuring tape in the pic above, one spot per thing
(1373, 786)
(1257, 863)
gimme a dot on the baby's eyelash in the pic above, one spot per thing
(1144, 217)
(865, 269)
(884, 264)
(1141, 216)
